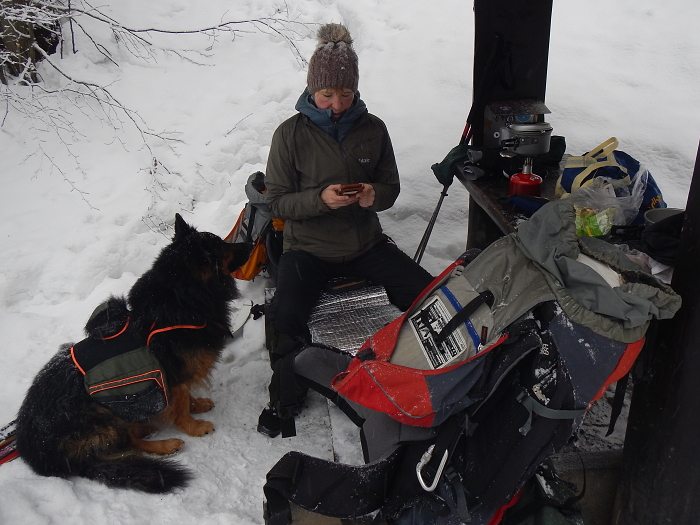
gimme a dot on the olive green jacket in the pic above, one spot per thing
(304, 160)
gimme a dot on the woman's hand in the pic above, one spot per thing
(333, 200)
(366, 196)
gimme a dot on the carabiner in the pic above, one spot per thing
(424, 460)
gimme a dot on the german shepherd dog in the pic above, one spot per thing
(62, 432)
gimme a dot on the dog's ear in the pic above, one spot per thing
(181, 227)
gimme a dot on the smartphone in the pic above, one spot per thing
(350, 189)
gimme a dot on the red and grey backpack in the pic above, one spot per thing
(487, 374)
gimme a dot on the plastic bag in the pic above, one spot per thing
(604, 193)
(592, 223)
(607, 161)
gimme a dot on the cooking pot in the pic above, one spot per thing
(529, 139)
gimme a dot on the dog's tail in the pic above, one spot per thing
(137, 472)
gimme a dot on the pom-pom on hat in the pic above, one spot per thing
(334, 63)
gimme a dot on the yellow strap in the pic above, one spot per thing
(581, 177)
(597, 154)
(593, 160)
(605, 149)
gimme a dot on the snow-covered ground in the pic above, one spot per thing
(84, 211)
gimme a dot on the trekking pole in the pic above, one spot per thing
(499, 58)
(424, 241)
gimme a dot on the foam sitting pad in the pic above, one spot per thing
(345, 320)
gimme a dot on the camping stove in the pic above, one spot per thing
(526, 182)
(527, 140)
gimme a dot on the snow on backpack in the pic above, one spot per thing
(487, 374)
(257, 226)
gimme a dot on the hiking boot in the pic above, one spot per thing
(269, 422)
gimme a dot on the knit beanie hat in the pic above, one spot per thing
(334, 63)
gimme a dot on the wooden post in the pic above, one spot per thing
(661, 466)
(511, 53)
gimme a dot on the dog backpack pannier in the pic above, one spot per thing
(486, 375)
(256, 226)
(120, 371)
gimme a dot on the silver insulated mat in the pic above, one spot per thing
(346, 320)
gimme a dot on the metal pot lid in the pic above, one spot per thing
(533, 127)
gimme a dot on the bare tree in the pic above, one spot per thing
(32, 30)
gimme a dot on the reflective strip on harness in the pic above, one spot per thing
(75, 360)
(120, 332)
(153, 375)
(160, 330)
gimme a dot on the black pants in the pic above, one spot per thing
(302, 277)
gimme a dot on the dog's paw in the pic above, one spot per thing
(198, 405)
(197, 427)
(163, 447)
(172, 445)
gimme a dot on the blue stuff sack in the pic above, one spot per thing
(606, 161)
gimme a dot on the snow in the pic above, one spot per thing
(84, 213)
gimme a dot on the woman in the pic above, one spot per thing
(332, 141)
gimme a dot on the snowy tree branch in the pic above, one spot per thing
(31, 30)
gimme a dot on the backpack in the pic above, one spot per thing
(257, 226)
(120, 371)
(486, 375)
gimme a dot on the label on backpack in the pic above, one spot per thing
(426, 324)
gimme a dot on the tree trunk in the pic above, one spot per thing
(17, 37)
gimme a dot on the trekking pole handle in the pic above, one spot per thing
(424, 460)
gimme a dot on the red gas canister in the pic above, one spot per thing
(525, 184)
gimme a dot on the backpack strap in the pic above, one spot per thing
(544, 313)
(618, 402)
(541, 410)
(463, 315)
(460, 497)
(249, 231)
(176, 327)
